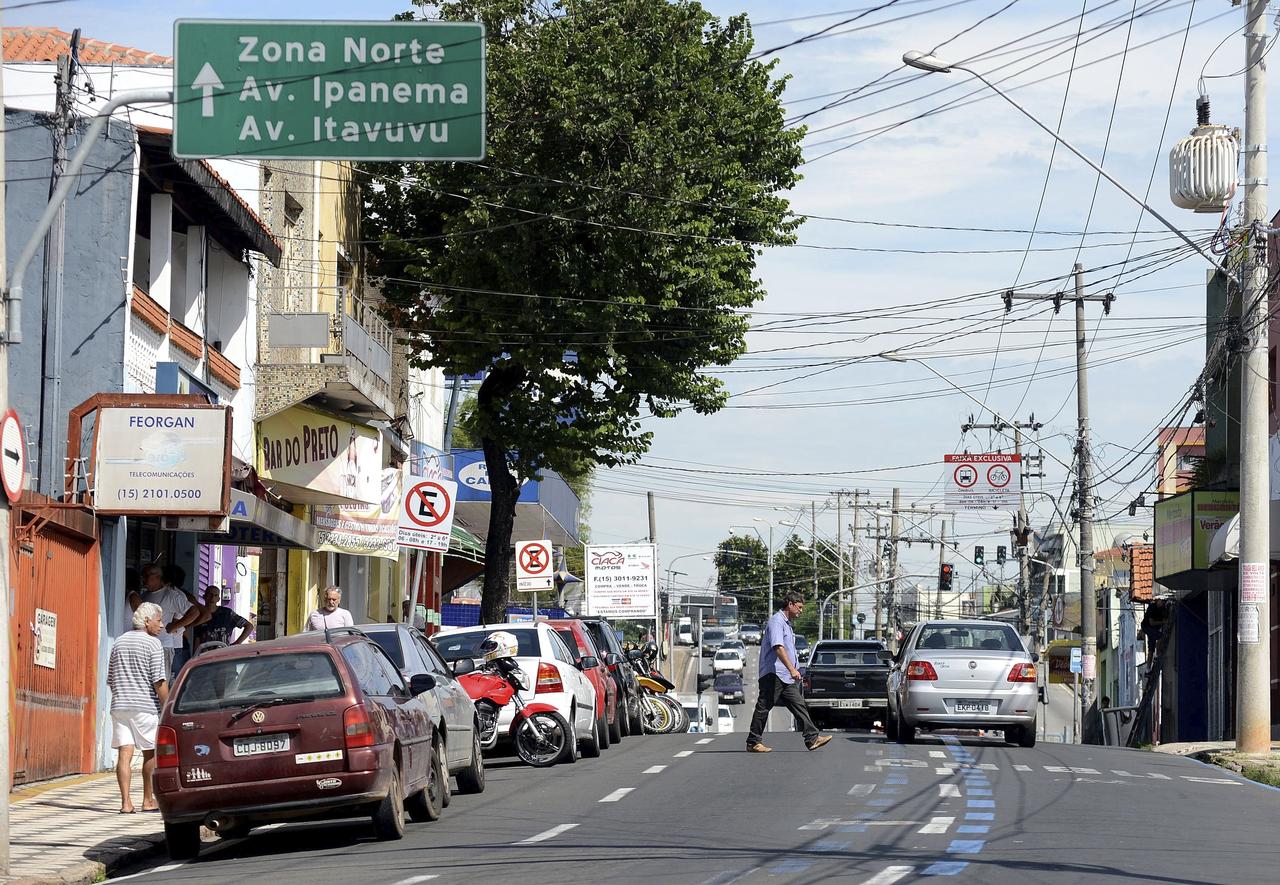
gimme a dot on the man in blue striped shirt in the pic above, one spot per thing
(138, 679)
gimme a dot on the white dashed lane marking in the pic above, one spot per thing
(889, 875)
(414, 880)
(547, 834)
(684, 753)
(945, 790)
(936, 825)
(862, 789)
(617, 795)
(654, 769)
(705, 741)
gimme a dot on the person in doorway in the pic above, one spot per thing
(177, 611)
(221, 623)
(330, 614)
(780, 679)
(138, 679)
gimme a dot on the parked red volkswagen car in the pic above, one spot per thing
(308, 726)
(592, 663)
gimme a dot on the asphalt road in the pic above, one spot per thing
(700, 810)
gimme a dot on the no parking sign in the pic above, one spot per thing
(426, 513)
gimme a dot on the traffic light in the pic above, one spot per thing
(1000, 555)
(705, 682)
(945, 574)
(979, 555)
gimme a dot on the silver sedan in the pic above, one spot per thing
(962, 674)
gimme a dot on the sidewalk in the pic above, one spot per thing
(70, 831)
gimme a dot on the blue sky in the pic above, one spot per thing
(981, 166)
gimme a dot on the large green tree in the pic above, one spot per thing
(604, 253)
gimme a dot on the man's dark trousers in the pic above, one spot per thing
(772, 692)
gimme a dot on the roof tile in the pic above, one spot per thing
(35, 44)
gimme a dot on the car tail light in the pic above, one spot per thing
(921, 671)
(548, 678)
(1023, 673)
(357, 728)
(166, 747)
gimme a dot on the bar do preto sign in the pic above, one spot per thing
(329, 90)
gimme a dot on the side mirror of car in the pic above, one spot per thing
(635, 654)
(885, 655)
(422, 682)
(612, 659)
(463, 666)
(588, 662)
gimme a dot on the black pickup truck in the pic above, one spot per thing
(845, 682)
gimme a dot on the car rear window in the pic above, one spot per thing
(979, 637)
(846, 655)
(725, 655)
(456, 646)
(713, 634)
(215, 685)
(729, 681)
(571, 641)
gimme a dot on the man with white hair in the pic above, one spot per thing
(330, 613)
(137, 677)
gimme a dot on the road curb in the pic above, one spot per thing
(90, 871)
(1195, 757)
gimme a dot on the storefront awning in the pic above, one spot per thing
(256, 523)
(1224, 546)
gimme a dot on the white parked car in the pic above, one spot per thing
(727, 660)
(543, 656)
(725, 721)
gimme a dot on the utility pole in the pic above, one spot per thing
(6, 776)
(894, 529)
(1253, 647)
(853, 553)
(840, 606)
(1088, 595)
(1084, 487)
(50, 472)
(878, 592)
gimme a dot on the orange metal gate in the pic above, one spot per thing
(55, 573)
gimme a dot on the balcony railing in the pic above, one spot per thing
(354, 331)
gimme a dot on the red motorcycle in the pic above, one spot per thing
(541, 736)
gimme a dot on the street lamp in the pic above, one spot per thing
(931, 64)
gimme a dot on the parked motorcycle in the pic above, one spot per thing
(541, 736)
(662, 713)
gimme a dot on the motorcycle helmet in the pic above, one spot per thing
(499, 645)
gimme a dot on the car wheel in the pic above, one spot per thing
(1027, 736)
(182, 840)
(891, 726)
(615, 730)
(471, 778)
(636, 716)
(906, 733)
(428, 804)
(388, 817)
(591, 746)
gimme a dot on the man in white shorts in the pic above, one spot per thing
(137, 677)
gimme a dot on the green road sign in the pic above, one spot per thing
(310, 90)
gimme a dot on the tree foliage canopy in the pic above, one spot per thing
(604, 252)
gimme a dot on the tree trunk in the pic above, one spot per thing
(504, 489)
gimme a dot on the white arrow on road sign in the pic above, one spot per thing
(208, 81)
